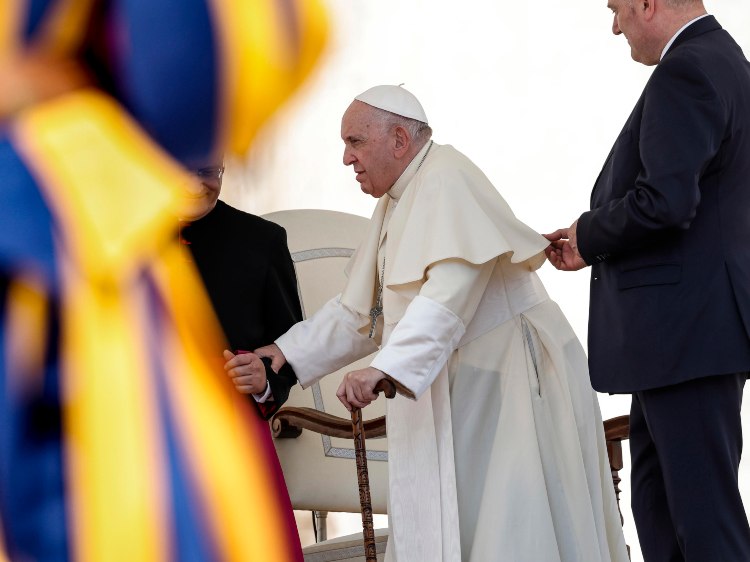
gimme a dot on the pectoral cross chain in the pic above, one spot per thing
(377, 310)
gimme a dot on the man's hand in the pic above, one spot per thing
(247, 371)
(273, 352)
(563, 249)
(356, 390)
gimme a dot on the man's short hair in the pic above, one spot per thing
(682, 3)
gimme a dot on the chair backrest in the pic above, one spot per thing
(320, 471)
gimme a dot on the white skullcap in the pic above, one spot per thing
(395, 99)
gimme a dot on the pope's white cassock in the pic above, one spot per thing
(502, 455)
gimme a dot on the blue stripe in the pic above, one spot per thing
(25, 220)
(35, 12)
(32, 489)
(169, 75)
(191, 536)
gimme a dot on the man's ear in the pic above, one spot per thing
(647, 8)
(403, 141)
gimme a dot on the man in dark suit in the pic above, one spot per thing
(667, 238)
(245, 265)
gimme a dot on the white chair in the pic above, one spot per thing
(320, 470)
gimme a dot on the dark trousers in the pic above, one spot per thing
(685, 445)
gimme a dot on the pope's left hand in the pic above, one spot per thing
(356, 390)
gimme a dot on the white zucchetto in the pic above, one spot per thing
(395, 99)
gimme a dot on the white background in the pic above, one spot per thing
(534, 93)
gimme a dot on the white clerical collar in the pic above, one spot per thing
(683, 28)
(408, 174)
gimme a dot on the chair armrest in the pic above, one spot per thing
(290, 421)
(617, 429)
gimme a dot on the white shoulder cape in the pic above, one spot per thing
(449, 210)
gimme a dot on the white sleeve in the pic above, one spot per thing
(424, 339)
(327, 341)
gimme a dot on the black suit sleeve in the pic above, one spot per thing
(280, 385)
(281, 311)
(682, 127)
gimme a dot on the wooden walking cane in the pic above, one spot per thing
(387, 387)
(289, 422)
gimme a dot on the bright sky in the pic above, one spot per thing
(534, 93)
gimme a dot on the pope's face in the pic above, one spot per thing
(369, 149)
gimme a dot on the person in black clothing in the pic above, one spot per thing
(247, 270)
(669, 315)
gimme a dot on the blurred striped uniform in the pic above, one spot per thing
(120, 437)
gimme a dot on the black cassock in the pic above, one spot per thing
(248, 272)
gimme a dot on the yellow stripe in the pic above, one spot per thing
(3, 556)
(26, 334)
(115, 191)
(112, 427)
(235, 482)
(64, 27)
(261, 69)
(312, 38)
(3, 550)
(10, 24)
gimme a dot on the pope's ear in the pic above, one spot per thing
(403, 140)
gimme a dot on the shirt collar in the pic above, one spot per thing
(683, 28)
(408, 174)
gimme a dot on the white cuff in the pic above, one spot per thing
(325, 342)
(420, 344)
(265, 395)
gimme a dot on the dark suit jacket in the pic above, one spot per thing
(668, 233)
(249, 275)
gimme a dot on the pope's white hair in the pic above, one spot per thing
(418, 130)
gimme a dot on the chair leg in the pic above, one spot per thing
(615, 431)
(614, 450)
(321, 525)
